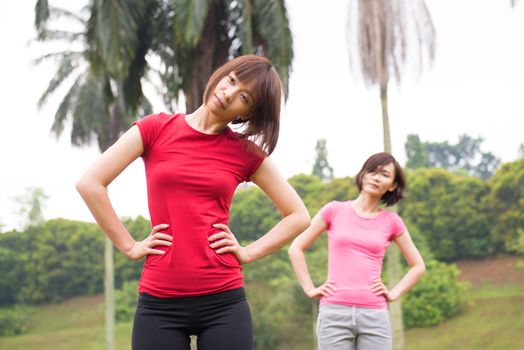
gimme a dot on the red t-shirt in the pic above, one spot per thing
(191, 178)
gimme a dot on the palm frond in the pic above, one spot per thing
(61, 35)
(41, 17)
(116, 31)
(56, 12)
(59, 56)
(65, 69)
(245, 27)
(271, 26)
(65, 107)
(190, 16)
(384, 32)
(91, 115)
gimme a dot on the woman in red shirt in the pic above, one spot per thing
(192, 281)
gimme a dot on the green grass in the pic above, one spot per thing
(77, 323)
(493, 319)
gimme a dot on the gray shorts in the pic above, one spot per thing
(341, 327)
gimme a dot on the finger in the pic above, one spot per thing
(219, 235)
(222, 227)
(159, 227)
(221, 243)
(151, 251)
(158, 242)
(332, 290)
(228, 249)
(163, 236)
(377, 287)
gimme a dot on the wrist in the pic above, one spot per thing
(249, 255)
(393, 296)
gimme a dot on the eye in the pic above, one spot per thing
(244, 98)
(231, 79)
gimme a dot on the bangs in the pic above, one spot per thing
(256, 78)
(377, 163)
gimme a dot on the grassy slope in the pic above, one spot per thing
(493, 319)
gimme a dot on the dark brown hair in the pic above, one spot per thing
(260, 75)
(376, 162)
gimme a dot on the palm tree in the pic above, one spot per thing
(382, 29)
(200, 35)
(191, 38)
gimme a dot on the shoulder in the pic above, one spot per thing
(334, 207)
(248, 147)
(158, 118)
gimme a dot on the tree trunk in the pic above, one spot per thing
(116, 126)
(109, 293)
(210, 53)
(393, 266)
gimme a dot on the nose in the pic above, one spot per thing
(229, 93)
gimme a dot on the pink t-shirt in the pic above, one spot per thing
(191, 178)
(356, 247)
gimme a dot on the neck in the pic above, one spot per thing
(205, 121)
(366, 203)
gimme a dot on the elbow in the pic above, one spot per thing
(304, 221)
(84, 186)
(81, 186)
(422, 269)
(293, 249)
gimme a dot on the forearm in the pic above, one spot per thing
(408, 281)
(97, 200)
(287, 229)
(298, 261)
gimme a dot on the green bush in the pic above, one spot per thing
(125, 301)
(15, 320)
(437, 296)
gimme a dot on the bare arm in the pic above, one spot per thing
(416, 269)
(295, 218)
(298, 259)
(92, 186)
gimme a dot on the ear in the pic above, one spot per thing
(393, 187)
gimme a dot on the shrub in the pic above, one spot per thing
(125, 301)
(437, 296)
(15, 319)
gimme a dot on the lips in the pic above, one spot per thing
(219, 101)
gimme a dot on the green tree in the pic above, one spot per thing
(450, 213)
(199, 35)
(31, 206)
(505, 201)
(321, 168)
(416, 152)
(465, 156)
(382, 41)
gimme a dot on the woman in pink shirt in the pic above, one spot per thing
(353, 310)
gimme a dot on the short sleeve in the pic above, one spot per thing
(326, 212)
(397, 226)
(150, 127)
(255, 155)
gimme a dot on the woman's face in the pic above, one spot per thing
(231, 99)
(379, 181)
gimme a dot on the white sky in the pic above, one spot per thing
(475, 86)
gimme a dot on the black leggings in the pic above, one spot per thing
(220, 321)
